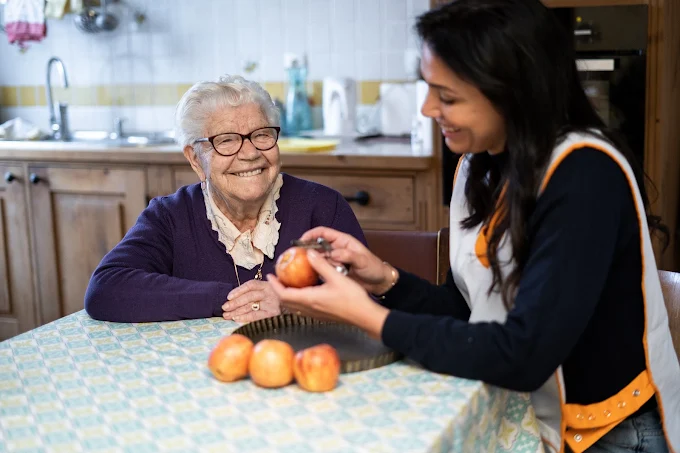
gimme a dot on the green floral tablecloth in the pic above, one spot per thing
(82, 385)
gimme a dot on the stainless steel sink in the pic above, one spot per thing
(95, 140)
(132, 139)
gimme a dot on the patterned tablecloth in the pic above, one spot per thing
(82, 385)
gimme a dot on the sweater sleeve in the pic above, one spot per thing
(134, 282)
(413, 294)
(573, 236)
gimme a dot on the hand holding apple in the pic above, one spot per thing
(316, 369)
(367, 269)
(229, 360)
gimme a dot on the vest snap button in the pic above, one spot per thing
(578, 438)
(636, 392)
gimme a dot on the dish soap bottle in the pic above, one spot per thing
(298, 111)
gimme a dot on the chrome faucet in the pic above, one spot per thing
(59, 125)
(117, 128)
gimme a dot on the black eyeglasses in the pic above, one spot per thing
(231, 143)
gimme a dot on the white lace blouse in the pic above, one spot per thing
(248, 248)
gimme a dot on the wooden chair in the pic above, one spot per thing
(423, 253)
(670, 284)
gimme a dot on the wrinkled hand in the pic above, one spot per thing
(339, 298)
(240, 300)
(368, 270)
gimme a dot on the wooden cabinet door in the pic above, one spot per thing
(17, 308)
(79, 214)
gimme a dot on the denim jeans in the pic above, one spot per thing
(641, 434)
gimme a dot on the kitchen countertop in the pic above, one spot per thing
(372, 153)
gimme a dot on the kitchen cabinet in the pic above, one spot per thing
(17, 309)
(381, 200)
(78, 215)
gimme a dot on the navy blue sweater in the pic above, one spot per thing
(579, 302)
(171, 265)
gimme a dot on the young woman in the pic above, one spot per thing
(553, 286)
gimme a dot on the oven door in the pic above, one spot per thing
(615, 85)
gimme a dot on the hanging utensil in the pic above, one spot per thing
(85, 21)
(106, 21)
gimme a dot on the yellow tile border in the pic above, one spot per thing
(28, 95)
(9, 96)
(168, 94)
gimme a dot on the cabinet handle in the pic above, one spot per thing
(9, 177)
(35, 179)
(361, 198)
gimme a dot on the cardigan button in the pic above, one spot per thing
(607, 414)
(636, 392)
(579, 416)
(591, 417)
(578, 438)
(621, 404)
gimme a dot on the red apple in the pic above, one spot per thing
(271, 363)
(293, 268)
(317, 368)
(229, 360)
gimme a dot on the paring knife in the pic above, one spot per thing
(322, 245)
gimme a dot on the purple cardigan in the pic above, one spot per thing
(171, 266)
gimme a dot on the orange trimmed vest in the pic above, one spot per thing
(561, 423)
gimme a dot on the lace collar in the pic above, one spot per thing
(247, 248)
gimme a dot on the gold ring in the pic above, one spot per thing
(299, 313)
(255, 306)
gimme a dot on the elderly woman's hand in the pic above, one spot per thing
(251, 301)
(339, 298)
(368, 270)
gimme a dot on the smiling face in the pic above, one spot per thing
(468, 120)
(246, 177)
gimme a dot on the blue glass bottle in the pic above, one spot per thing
(298, 111)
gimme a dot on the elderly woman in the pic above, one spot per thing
(202, 251)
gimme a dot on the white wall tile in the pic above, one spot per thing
(394, 35)
(343, 11)
(272, 67)
(185, 41)
(415, 8)
(344, 65)
(394, 10)
(319, 65)
(393, 67)
(369, 65)
(367, 10)
(368, 35)
(343, 37)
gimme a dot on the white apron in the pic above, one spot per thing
(560, 422)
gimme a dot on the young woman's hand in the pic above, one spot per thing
(339, 298)
(372, 273)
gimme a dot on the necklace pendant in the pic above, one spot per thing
(258, 276)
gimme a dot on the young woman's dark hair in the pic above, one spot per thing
(518, 54)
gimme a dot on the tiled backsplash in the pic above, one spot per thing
(139, 74)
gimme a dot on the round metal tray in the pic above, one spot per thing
(357, 351)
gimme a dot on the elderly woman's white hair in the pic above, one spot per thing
(202, 99)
